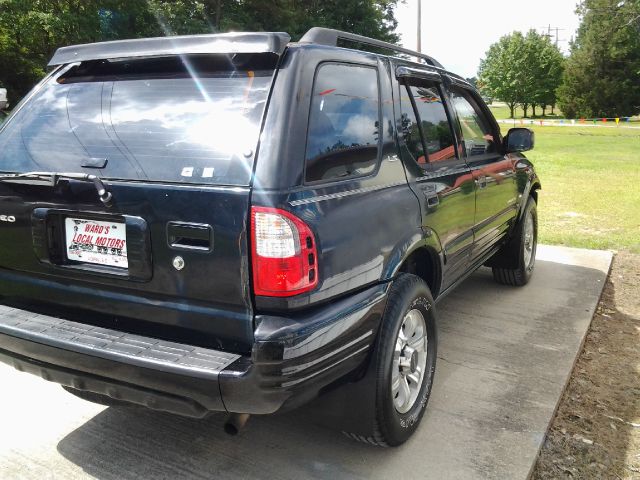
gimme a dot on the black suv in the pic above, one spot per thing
(237, 223)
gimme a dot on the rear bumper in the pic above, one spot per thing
(292, 360)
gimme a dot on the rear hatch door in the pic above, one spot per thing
(173, 139)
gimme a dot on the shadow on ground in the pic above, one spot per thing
(133, 443)
(504, 358)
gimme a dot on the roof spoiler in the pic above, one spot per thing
(274, 42)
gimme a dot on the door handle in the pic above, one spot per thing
(190, 236)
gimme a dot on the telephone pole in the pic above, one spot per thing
(554, 38)
(419, 26)
(557, 37)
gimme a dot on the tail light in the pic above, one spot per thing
(285, 257)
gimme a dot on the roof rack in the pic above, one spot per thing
(329, 36)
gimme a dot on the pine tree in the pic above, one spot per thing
(602, 76)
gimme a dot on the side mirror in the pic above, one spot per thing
(519, 140)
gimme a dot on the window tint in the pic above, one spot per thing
(149, 119)
(434, 123)
(410, 129)
(476, 130)
(344, 124)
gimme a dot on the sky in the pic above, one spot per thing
(458, 33)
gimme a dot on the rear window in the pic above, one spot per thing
(344, 123)
(189, 119)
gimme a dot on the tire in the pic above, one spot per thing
(520, 251)
(96, 397)
(409, 313)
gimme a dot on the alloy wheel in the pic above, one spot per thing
(409, 361)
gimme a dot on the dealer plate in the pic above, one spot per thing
(96, 242)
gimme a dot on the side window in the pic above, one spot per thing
(477, 133)
(434, 123)
(410, 129)
(431, 122)
(344, 123)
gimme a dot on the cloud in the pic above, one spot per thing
(359, 129)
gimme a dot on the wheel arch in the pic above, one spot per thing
(425, 262)
(531, 190)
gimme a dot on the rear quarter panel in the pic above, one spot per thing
(364, 226)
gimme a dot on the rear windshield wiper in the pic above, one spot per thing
(52, 178)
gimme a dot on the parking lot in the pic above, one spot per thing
(504, 357)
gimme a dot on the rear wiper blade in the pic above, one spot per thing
(52, 178)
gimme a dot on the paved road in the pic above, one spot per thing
(504, 357)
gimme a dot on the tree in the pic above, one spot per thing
(521, 70)
(371, 18)
(31, 30)
(602, 76)
(550, 77)
(544, 66)
(499, 75)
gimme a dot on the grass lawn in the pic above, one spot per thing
(590, 186)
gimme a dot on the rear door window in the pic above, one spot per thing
(344, 123)
(411, 133)
(424, 118)
(172, 119)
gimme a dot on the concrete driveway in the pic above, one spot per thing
(505, 355)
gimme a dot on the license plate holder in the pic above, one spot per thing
(96, 242)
